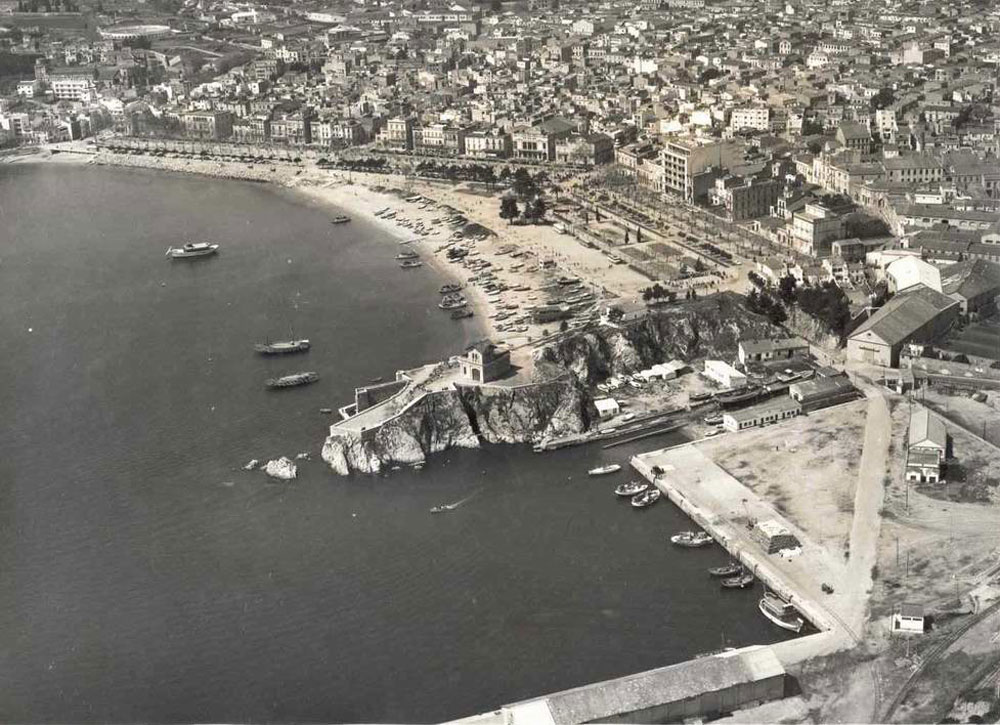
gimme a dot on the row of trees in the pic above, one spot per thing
(369, 163)
(482, 173)
(47, 6)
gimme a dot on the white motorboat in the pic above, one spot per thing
(782, 613)
(196, 249)
(602, 470)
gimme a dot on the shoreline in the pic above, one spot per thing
(327, 188)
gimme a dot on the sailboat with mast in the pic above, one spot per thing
(283, 347)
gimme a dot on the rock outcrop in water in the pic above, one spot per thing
(282, 468)
(463, 417)
(706, 329)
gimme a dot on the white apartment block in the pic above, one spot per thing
(72, 89)
(758, 119)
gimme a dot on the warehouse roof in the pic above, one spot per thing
(771, 406)
(645, 690)
(927, 428)
(970, 279)
(904, 314)
(767, 345)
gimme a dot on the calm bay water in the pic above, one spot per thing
(144, 577)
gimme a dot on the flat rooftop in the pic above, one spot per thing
(649, 689)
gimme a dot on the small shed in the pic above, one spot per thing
(908, 619)
(774, 537)
(607, 408)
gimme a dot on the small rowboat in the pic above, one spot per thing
(631, 488)
(602, 470)
(646, 498)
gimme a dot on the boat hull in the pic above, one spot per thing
(795, 625)
(292, 381)
(193, 253)
(282, 348)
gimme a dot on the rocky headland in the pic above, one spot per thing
(462, 417)
(709, 328)
(466, 416)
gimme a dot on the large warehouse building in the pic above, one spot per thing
(706, 687)
(920, 314)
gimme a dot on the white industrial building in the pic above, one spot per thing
(724, 374)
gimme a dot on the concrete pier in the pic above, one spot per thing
(721, 505)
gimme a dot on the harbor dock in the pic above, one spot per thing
(726, 509)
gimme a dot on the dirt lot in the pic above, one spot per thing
(983, 419)
(809, 472)
(945, 547)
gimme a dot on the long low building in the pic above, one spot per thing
(770, 412)
(920, 314)
(706, 687)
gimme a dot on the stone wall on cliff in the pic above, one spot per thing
(708, 328)
(461, 418)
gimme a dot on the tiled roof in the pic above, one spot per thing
(904, 314)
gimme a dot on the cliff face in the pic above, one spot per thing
(710, 328)
(461, 418)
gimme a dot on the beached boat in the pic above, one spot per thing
(602, 470)
(411, 264)
(290, 381)
(692, 539)
(282, 347)
(631, 488)
(190, 251)
(713, 420)
(340, 219)
(742, 581)
(782, 613)
(646, 498)
(731, 569)
(452, 302)
(735, 397)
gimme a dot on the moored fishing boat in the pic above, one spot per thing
(692, 539)
(340, 219)
(461, 314)
(411, 264)
(450, 288)
(189, 251)
(646, 498)
(731, 569)
(602, 470)
(407, 255)
(282, 347)
(744, 580)
(290, 381)
(782, 613)
(631, 488)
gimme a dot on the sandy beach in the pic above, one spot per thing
(524, 261)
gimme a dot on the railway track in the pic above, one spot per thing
(933, 656)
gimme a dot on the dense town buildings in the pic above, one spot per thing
(831, 132)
